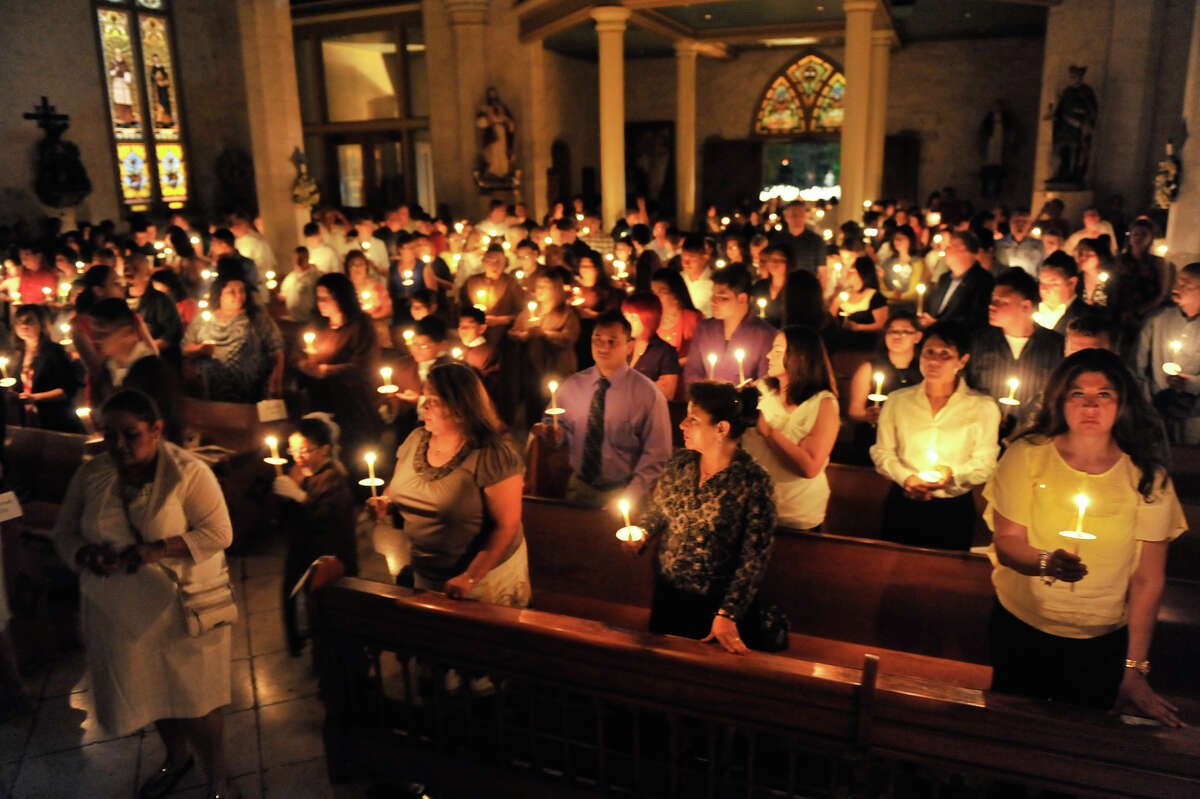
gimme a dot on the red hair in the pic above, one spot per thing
(648, 308)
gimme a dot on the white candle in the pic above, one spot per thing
(408, 336)
(456, 353)
(843, 298)
(920, 298)
(827, 234)
(879, 382)
(85, 416)
(624, 504)
(553, 386)
(3, 366)
(309, 338)
(533, 312)
(1013, 383)
(712, 364)
(273, 444)
(762, 307)
(740, 355)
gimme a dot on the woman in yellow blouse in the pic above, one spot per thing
(1071, 623)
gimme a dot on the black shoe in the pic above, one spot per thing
(167, 778)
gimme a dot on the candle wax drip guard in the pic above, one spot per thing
(276, 461)
(877, 397)
(388, 388)
(1078, 535)
(1009, 401)
(371, 482)
(632, 533)
(1172, 368)
(555, 411)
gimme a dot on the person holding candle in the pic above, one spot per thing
(341, 369)
(136, 522)
(768, 294)
(797, 426)
(896, 361)
(697, 274)
(679, 316)
(904, 269)
(1058, 287)
(1174, 395)
(596, 295)
(712, 516)
(503, 298)
(861, 307)
(234, 353)
(47, 379)
(548, 343)
(651, 356)
(156, 309)
(457, 487)
(472, 334)
(936, 441)
(1095, 436)
(1013, 346)
(733, 327)
(375, 300)
(616, 427)
(317, 508)
(1099, 270)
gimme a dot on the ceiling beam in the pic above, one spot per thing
(664, 26)
(554, 17)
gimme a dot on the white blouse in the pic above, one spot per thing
(963, 435)
(800, 501)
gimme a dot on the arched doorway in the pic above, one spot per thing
(799, 121)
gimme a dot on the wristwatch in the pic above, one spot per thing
(1142, 667)
(1043, 564)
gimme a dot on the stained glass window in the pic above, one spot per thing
(805, 97)
(141, 82)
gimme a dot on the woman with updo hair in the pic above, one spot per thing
(714, 510)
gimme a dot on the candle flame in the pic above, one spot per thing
(921, 288)
(1081, 502)
(932, 456)
(1176, 346)
(1013, 383)
(762, 302)
(879, 377)
(369, 457)
(624, 506)
(83, 412)
(386, 372)
(712, 357)
(740, 355)
(272, 441)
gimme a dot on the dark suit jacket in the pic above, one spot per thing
(1076, 309)
(968, 305)
(992, 365)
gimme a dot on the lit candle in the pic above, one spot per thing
(724, 223)
(762, 307)
(1172, 367)
(934, 219)
(79, 265)
(712, 364)
(1162, 249)
(554, 410)
(47, 291)
(273, 444)
(740, 356)
(872, 232)
(1036, 232)
(879, 384)
(85, 416)
(202, 304)
(481, 299)
(932, 474)
(408, 335)
(205, 274)
(629, 533)
(274, 460)
(532, 311)
(366, 245)
(371, 480)
(194, 240)
(206, 316)
(1013, 383)
(866, 203)
(309, 340)
(3, 366)
(1081, 502)
(408, 277)
(65, 327)
(820, 213)
(625, 510)
(843, 298)
(827, 234)
(720, 263)
(457, 353)
(388, 386)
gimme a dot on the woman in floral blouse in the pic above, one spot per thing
(714, 507)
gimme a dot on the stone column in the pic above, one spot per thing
(857, 66)
(685, 134)
(1183, 234)
(881, 53)
(536, 132)
(610, 27)
(467, 20)
(273, 109)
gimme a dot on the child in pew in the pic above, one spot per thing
(318, 510)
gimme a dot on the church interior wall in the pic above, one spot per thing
(51, 48)
(573, 114)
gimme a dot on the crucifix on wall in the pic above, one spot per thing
(60, 179)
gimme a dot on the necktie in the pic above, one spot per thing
(589, 470)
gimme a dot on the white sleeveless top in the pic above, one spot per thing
(800, 501)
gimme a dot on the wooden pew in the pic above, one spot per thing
(38, 466)
(580, 707)
(843, 596)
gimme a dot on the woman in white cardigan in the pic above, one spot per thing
(138, 521)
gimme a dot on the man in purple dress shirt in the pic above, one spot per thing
(732, 328)
(615, 426)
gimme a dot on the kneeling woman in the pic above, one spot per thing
(138, 522)
(1077, 627)
(936, 441)
(458, 486)
(714, 507)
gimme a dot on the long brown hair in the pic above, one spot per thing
(1138, 429)
(461, 390)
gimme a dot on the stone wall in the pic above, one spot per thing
(942, 104)
(51, 48)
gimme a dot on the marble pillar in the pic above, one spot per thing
(1183, 234)
(857, 68)
(685, 134)
(536, 134)
(273, 108)
(610, 28)
(881, 54)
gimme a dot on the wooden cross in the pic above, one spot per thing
(46, 117)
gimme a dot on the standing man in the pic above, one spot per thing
(1018, 248)
(616, 426)
(962, 293)
(156, 309)
(320, 254)
(806, 247)
(697, 275)
(731, 329)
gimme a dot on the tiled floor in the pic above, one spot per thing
(272, 727)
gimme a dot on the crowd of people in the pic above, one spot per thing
(694, 375)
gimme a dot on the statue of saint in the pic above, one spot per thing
(1074, 123)
(499, 132)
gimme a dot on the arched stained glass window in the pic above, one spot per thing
(804, 97)
(141, 82)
